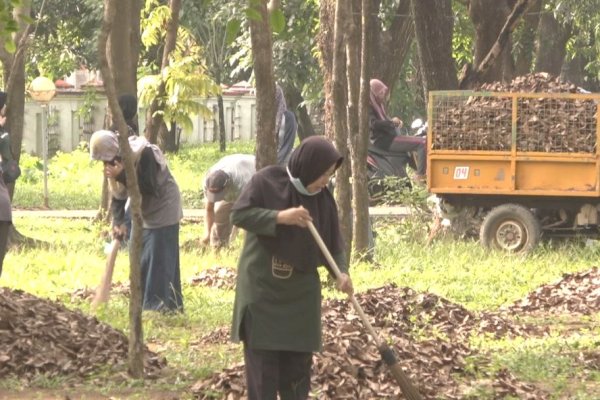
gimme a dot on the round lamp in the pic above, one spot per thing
(42, 89)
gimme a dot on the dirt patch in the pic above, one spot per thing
(78, 394)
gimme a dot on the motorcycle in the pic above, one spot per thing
(387, 170)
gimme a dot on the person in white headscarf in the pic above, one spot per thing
(161, 214)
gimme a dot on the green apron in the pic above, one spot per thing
(284, 305)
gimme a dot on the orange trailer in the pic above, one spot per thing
(526, 163)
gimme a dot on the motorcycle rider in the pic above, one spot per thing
(383, 130)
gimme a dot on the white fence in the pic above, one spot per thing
(67, 127)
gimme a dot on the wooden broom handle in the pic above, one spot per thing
(338, 274)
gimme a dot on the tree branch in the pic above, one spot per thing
(471, 77)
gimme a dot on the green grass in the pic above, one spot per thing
(460, 271)
(75, 181)
(466, 273)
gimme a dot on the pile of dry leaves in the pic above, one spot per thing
(41, 337)
(216, 277)
(574, 293)
(430, 336)
(544, 124)
(87, 293)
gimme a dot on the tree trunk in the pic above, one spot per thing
(136, 348)
(168, 137)
(155, 125)
(343, 189)
(353, 60)
(294, 100)
(488, 18)
(552, 41)
(395, 45)
(524, 56)
(471, 77)
(433, 30)
(222, 136)
(360, 142)
(14, 83)
(124, 45)
(221, 108)
(574, 72)
(262, 57)
(325, 39)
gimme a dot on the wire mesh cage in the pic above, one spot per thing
(556, 125)
(476, 122)
(483, 121)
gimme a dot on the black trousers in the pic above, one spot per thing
(412, 144)
(269, 372)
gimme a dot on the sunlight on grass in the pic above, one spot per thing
(464, 272)
(554, 363)
(81, 190)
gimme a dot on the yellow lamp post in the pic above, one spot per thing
(42, 90)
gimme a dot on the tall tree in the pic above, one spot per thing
(296, 69)
(524, 43)
(339, 90)
(488, 18)
(136, 351)
(342, 88)
(155, 124)
(433, 30)
(494, 57)
(65, 36)
(124, 45)
(262, 57)
(359, 143)
(216, 31)
(391, 39)
(173, 88)
(551, 46)
(13, 66)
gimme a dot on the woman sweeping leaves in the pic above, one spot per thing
(161, 213)
(277, 310)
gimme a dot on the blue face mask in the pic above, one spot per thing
(299, 186)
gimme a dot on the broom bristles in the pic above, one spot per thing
(408, 389)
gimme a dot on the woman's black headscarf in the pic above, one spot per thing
(128, 105)
(271, 188)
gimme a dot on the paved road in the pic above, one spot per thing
(193, 214)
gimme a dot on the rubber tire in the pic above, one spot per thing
(508, 219)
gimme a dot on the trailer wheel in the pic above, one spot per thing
(510, 227)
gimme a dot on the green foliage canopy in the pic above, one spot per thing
(184, 79)
(65, 36)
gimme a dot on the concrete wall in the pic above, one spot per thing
(67, 128)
